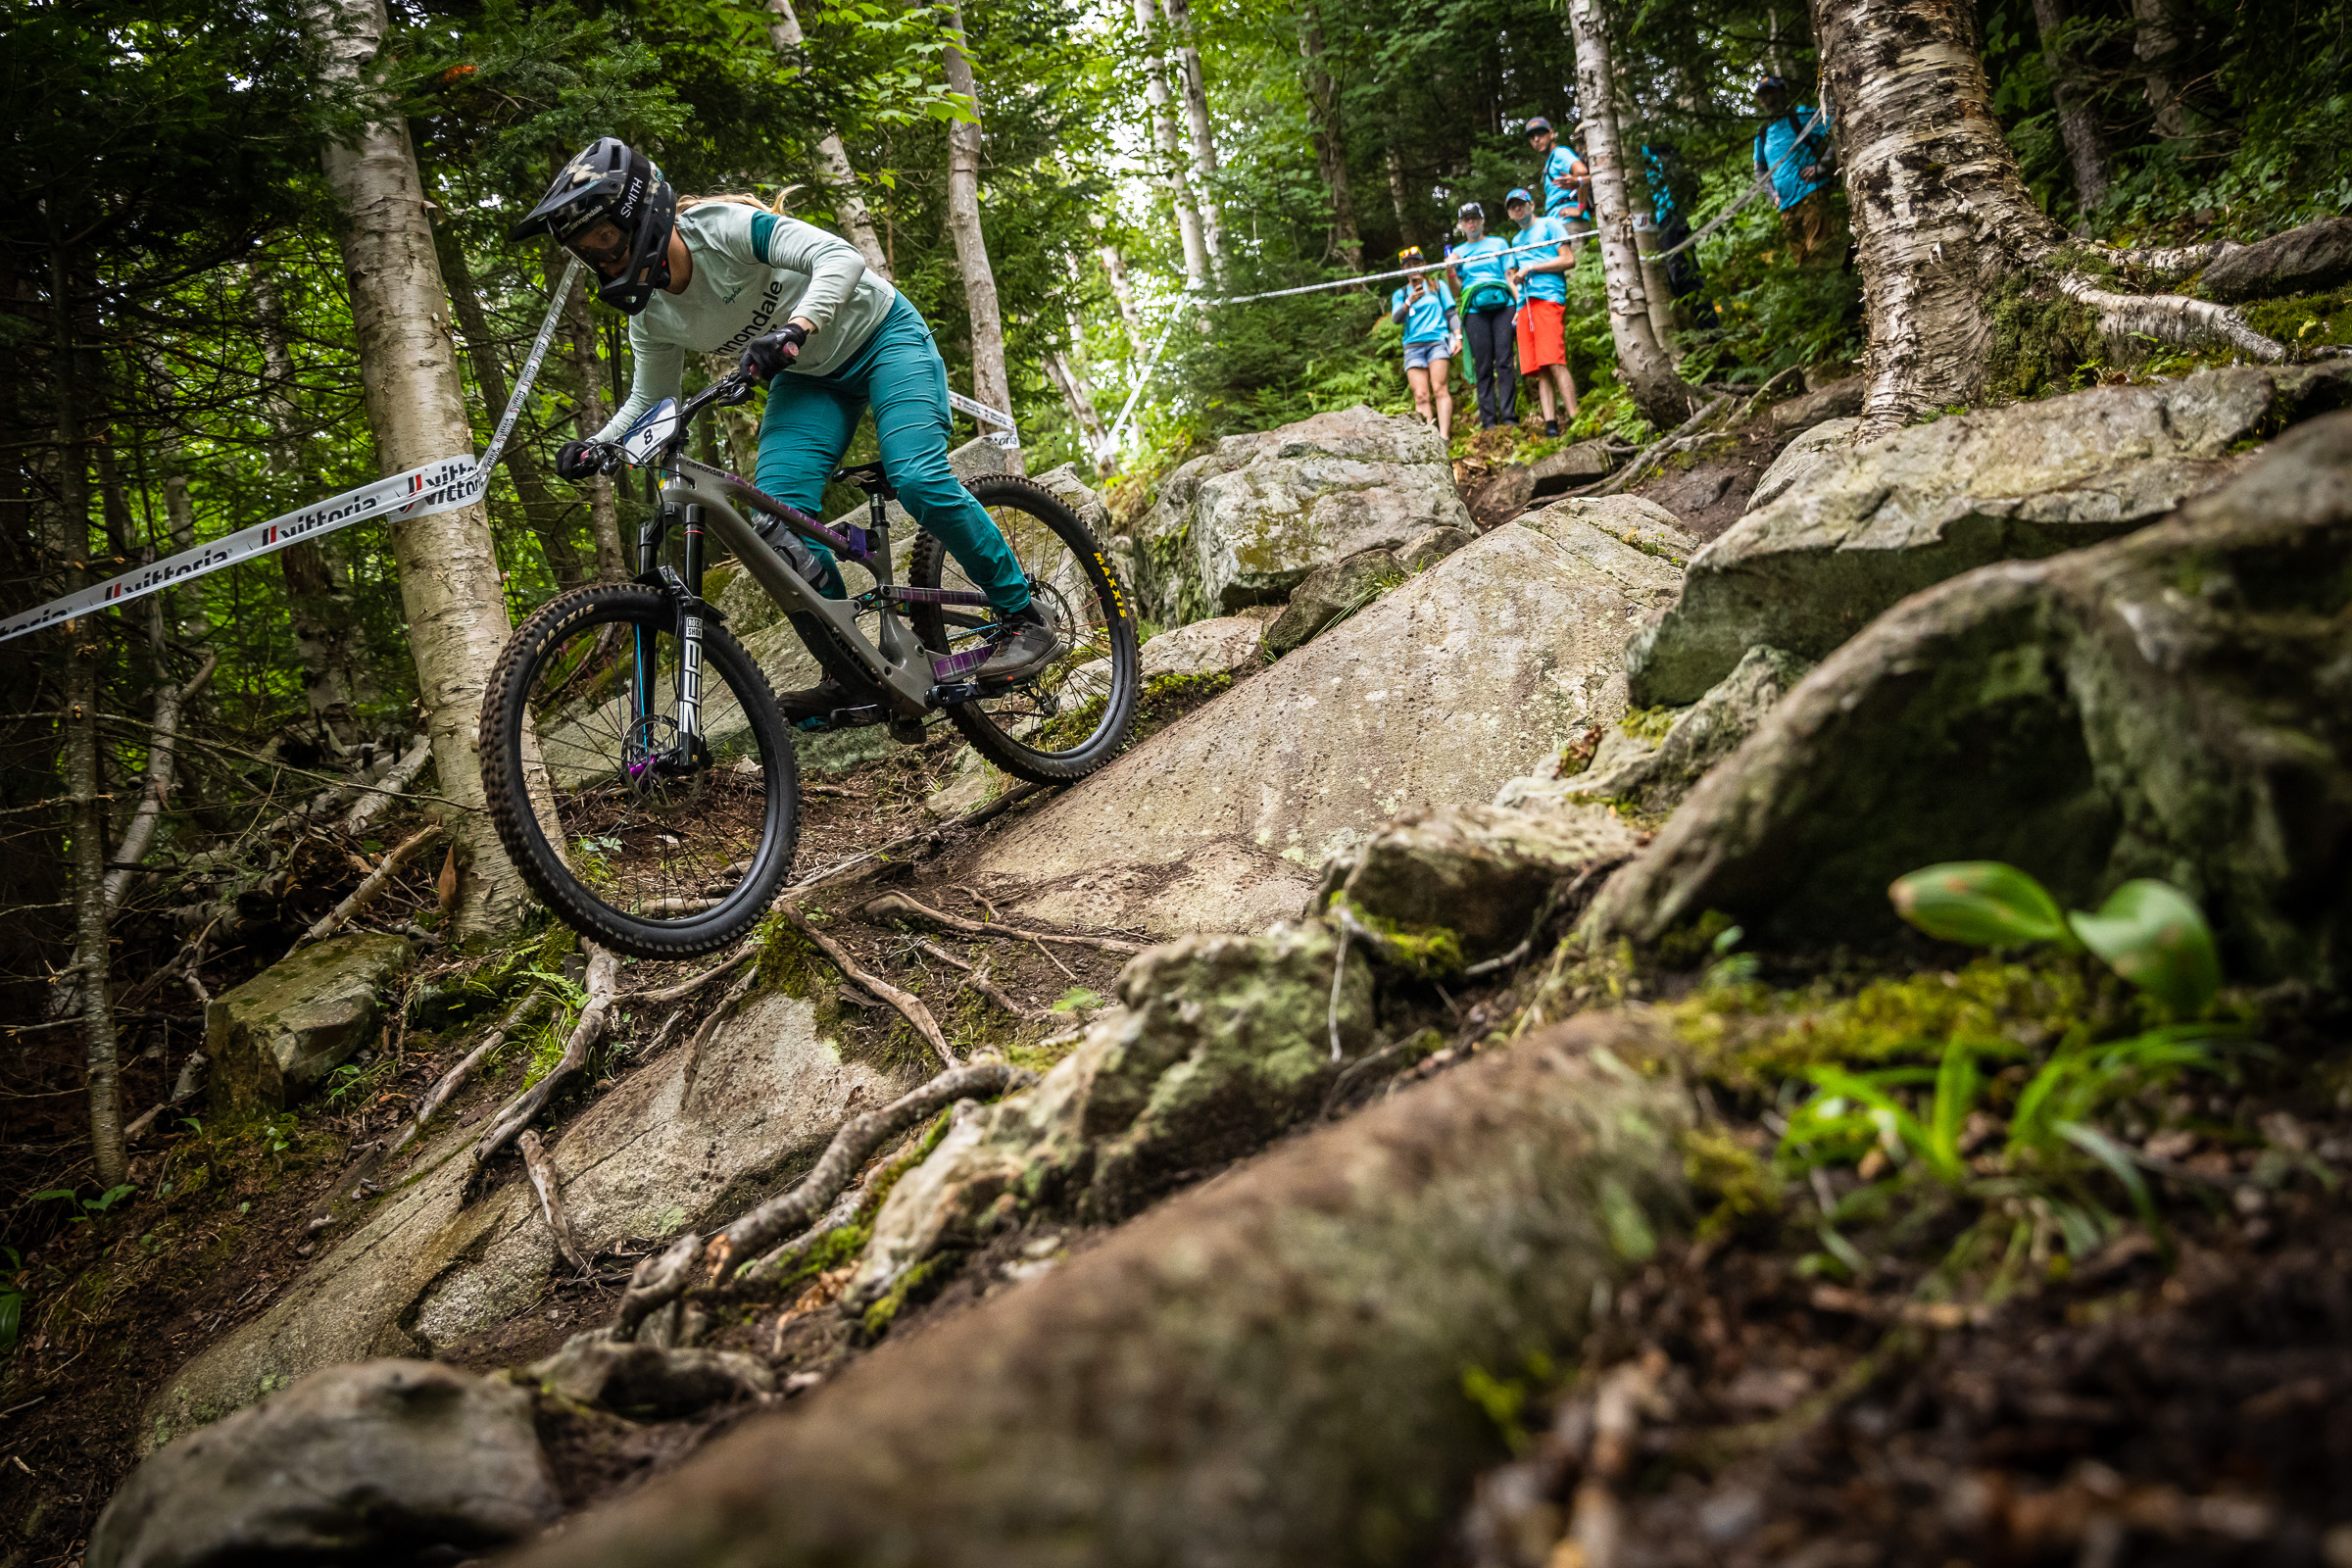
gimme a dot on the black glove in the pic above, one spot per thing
(576, 460)
(766, 357)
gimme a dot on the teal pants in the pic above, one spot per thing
(899, 372)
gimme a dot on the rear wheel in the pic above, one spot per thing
(1072, 716)
(655, 848)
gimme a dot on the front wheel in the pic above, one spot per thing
(656, 844)
(1073, 715)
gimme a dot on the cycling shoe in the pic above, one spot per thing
(1027, 642)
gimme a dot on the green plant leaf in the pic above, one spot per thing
(66, 1193)
(1985, 904)
(2116, 1159)
(2153, 936)
(12, 1315)
(110, 1198)
(1956, 1082)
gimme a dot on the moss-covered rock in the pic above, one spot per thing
(272, 1039)
(1330, 591)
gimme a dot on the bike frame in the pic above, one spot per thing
(704, 502)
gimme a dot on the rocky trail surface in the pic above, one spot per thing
(1403, 1128)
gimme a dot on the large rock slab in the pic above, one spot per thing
(1432, 695)
(1868, 525)
(2316, 256)
(1329, 592)
(386, 1461)
(1243, 524)
(2172, 705)
(272, 1039)
(687, 1139)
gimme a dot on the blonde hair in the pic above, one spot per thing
(743, 199)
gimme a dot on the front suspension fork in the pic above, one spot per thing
(686, 593)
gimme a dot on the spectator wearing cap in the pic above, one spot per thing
(1683, 280)
(1425, 308)
(1797, 163)
(1481, 263)
(1541, 270)
(1565, 180)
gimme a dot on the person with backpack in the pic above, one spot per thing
(1425, 307)
(1566, 184)
(722, 273)
(1543, 310)
(1489, 308)
(1683, 280)
(1796, 160)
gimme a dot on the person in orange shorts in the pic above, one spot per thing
(1541, 274)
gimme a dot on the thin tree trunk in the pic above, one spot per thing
(1179, 14)
(1114, 263)
(832, 159)
(1081, 398)
(2077, 124)
(1164, 135)
(1330, 147)
(1661, 395)
(1406, 226)
(161, 775)
(990, 384)
(90, 982)
(449, 579)
(613, 564)
(318, 604)
(2155, 43)
(542, 512)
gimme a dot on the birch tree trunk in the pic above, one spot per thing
(1661, 395)
(1330, 147)
(542, 512)
(1080, 396)
(1943, 219)
(1171, 158)
(1205, 137)
(1396, 198)
(449, 580)
(613, 564)
(1114, 263)
(2155, 43)
(832, 159)
(318, 604)
(990, 384)
(2077, 124)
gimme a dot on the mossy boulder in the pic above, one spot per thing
(1242, 526)
(1219, 1044)
(275, 1037)
(2316, 256)
(1865, 525)
(1457, 885)
(1330, 591)
(2172, 705)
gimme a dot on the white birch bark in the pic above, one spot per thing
(1171, 158)
(832, 159)
(990, 384)
(449, 579)
(1080, 396)
(1114, 264)
(1661, 395)
(2154, 42)
(1179, 14)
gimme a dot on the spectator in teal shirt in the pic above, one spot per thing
(1481, 263)
(1562, 182)
(1424, 305)
(1797, 163)
(1541, 268)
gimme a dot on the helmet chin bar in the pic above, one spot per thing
(610, 182)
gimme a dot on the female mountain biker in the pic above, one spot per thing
(717, 273)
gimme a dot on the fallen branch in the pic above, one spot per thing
(371, 888)
(896, 906)
(662, 1278)
(2170, 318)
(907, 1003)
(388, 789)
(155, 787)
(191, 1079)
(542, 1172)
(1657, 451)
(456, 1078)
(516, 1114)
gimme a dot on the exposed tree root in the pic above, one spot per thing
(896, 906)
(371, 888)
(457, 1077)
(687, 988)
(907, 1003)
(973, 976)
(1646, 461)
(518, 1113)
(662, 1278)
(2170, 318)
(2169, 264)
(551, 1200)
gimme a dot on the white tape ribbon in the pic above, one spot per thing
(430, 488)
(1008, 436)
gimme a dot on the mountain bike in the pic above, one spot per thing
(640, 773)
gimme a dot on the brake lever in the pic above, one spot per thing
(733, 389)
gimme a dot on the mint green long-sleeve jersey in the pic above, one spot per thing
(753, 272)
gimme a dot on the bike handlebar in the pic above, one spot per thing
(735, 388)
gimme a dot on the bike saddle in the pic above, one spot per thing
(868, 477)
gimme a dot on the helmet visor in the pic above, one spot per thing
(599, 243)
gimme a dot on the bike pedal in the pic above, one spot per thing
(907, 731)
(949, 693)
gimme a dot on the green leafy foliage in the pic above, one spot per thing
(2154, 937)
(1983, 903)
